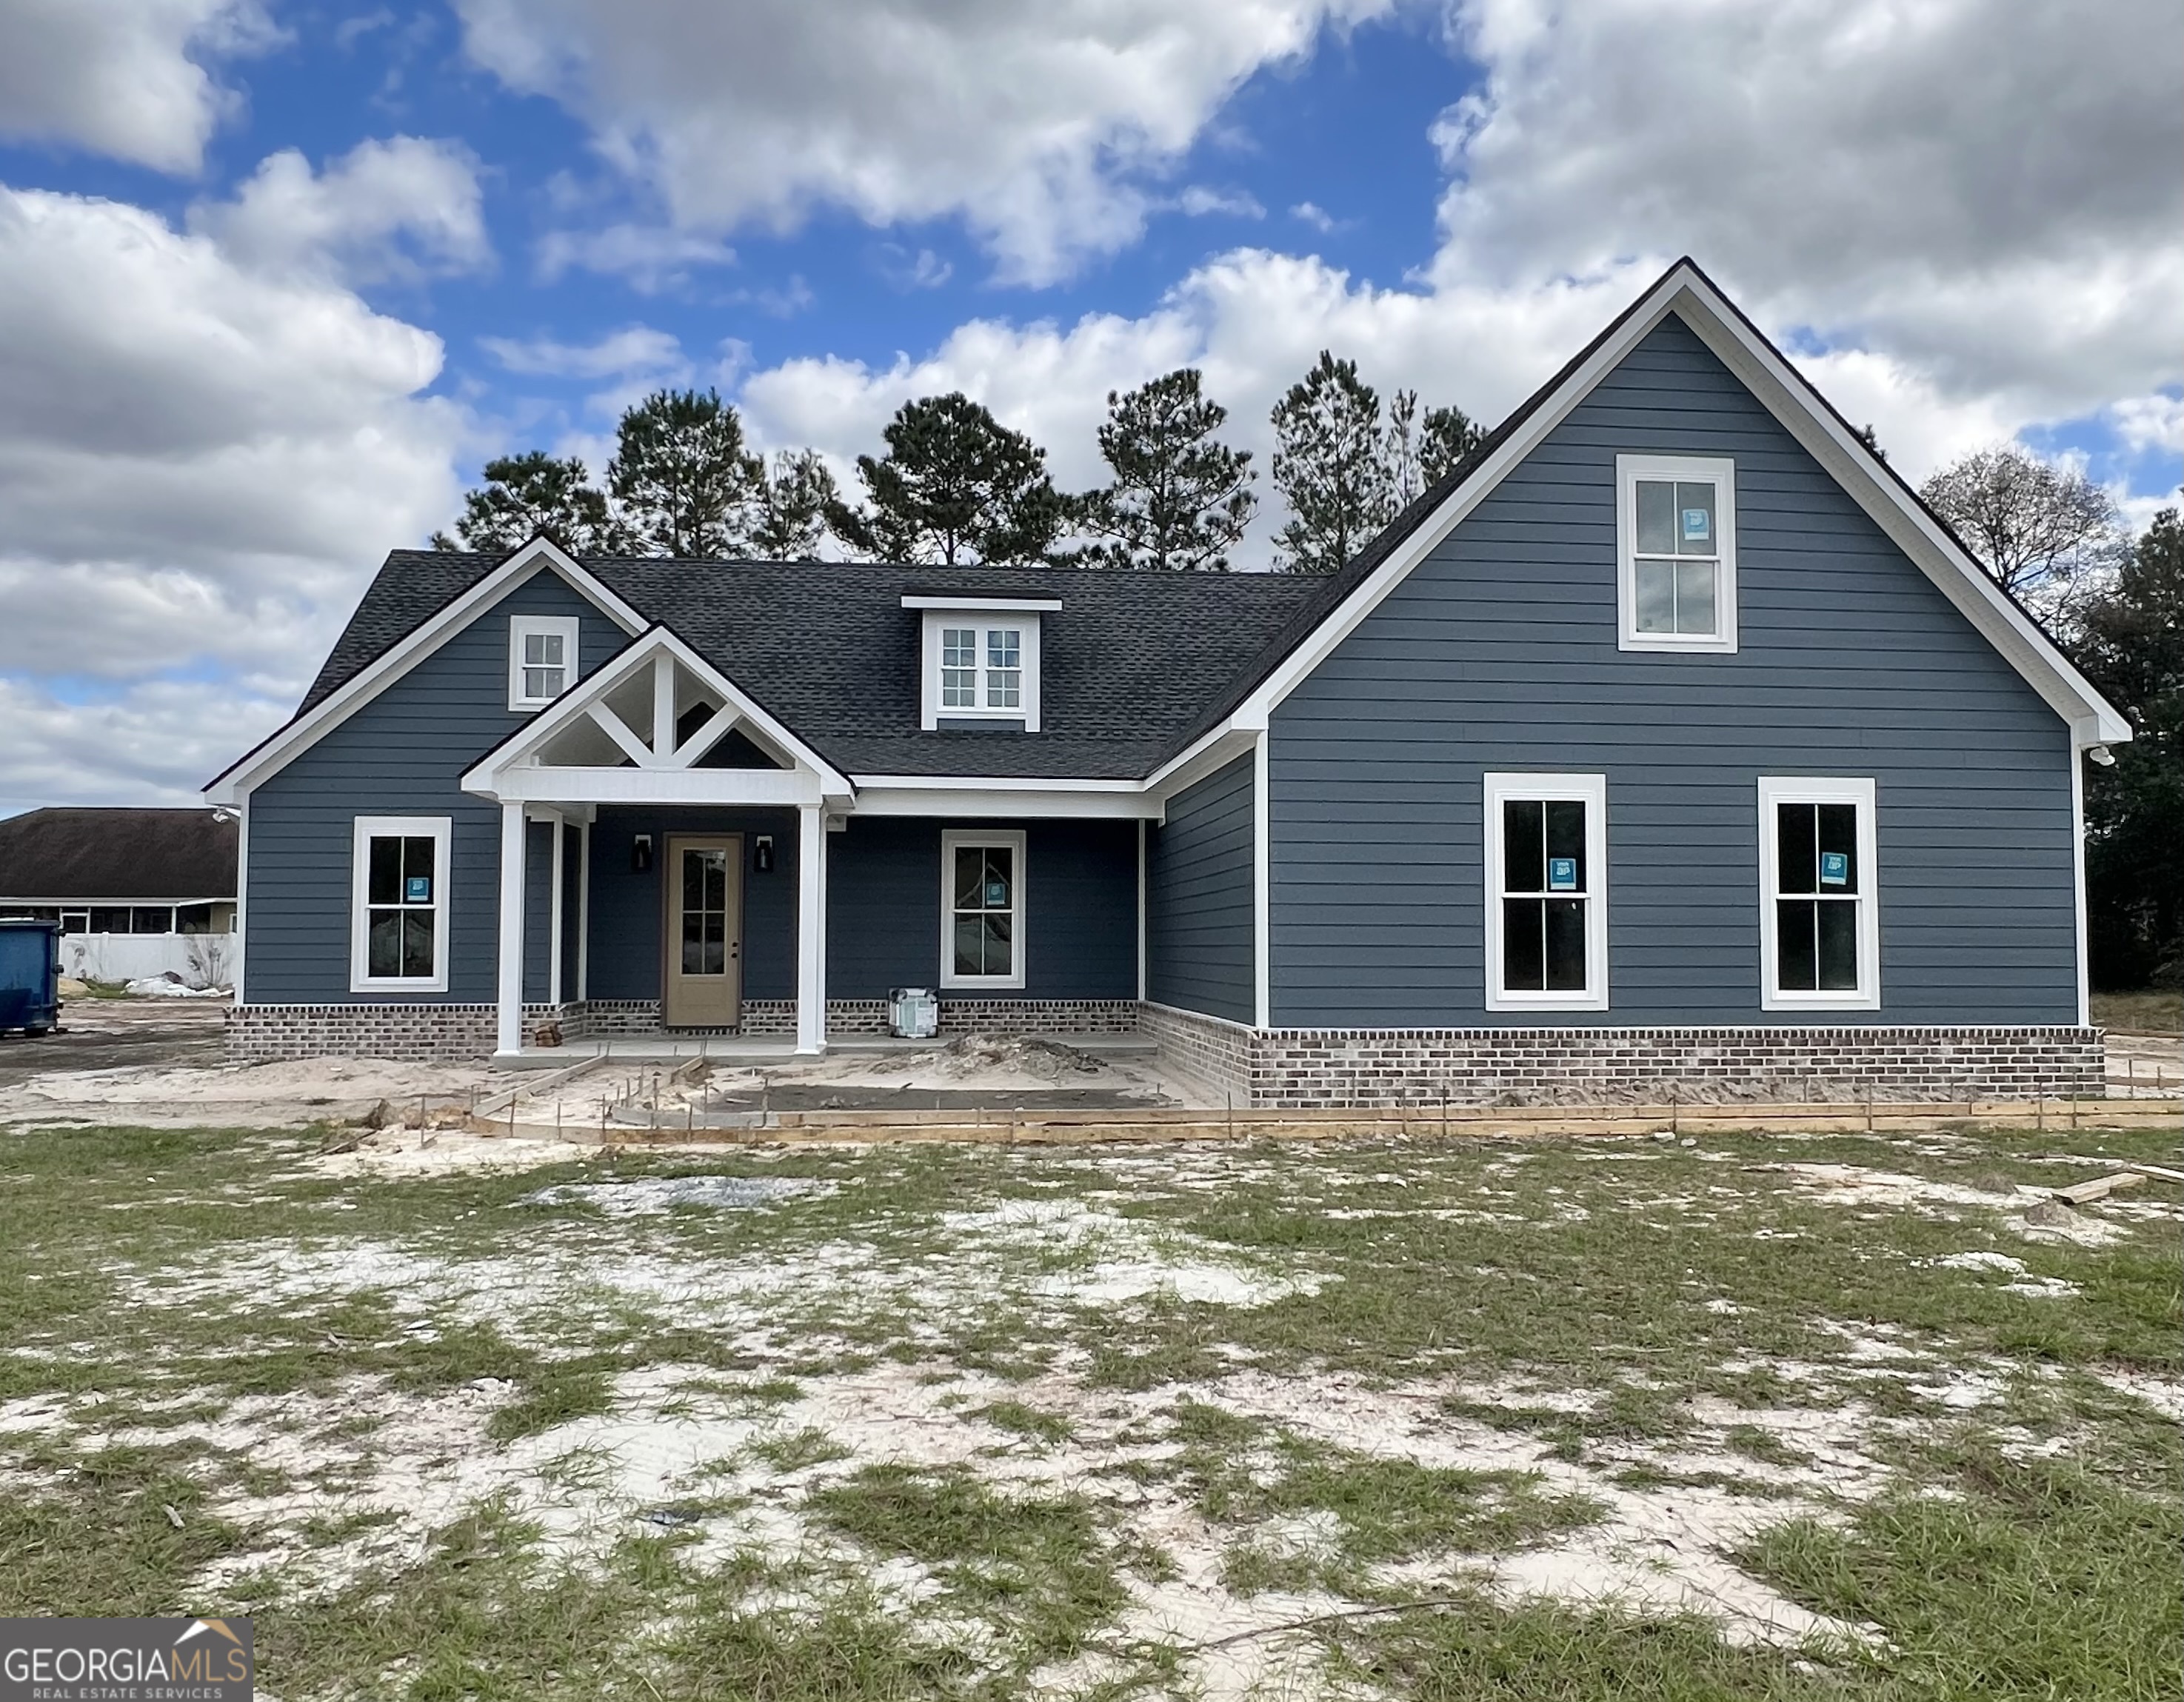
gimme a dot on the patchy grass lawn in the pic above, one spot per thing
(1758, 1417)
(2156, 1012)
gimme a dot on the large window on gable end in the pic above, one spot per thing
(982, 910)
(1819, 908)
(398, 905)
(542, 658)
(1675, 546)
(1546, 892)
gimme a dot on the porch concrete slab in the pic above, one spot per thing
(736, 1052)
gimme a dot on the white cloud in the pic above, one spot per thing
(635, 349)
(1985, 190)
(200, 464)
(1312, 213)
(1199, 201)
(2154, 423)
(404, 208)
(123, 77)
(648, 257)
(1040, 126)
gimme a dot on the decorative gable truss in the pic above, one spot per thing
(657, 724)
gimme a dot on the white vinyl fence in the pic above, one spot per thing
(202, 960)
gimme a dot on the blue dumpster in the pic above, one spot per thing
(30, 975)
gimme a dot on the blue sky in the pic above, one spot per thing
(276, 278)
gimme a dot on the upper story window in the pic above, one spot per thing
(1819, 914)
(1675, 538)
(982, 657)
(542, 659)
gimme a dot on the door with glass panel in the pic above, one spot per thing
(704, 982)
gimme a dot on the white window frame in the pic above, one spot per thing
(1775, 789)
(1025, 624)
(440, 829)
(1591, 790)
(1721, 472)
(521, 626)
(951, 842)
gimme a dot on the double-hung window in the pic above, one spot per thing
(981, 660)
(398, 905)
(982, 667)
(1546, 892)
(542, 659)
(982, 909)
(1819, 915)
(1676, 533)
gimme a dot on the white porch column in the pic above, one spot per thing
(811, 929)
(557, 883)
(584, 909)
(509, 1037)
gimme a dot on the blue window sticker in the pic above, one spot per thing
(997, 895)
(1697, 525)
(1835, 869)
(417, 888)
(1562, 874)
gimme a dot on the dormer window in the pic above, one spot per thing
(981, 661)
(542, 659)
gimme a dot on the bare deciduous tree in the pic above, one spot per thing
(2044, 532)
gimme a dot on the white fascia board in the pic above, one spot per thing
(1225, 744)
(515, 755)
(275, 752)
(999, 605)
(975, 801)
(1793, 402)
(752, 787)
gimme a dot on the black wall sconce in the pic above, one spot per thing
(640, 853)
(762, 854)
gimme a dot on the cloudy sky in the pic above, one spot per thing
(277, 276)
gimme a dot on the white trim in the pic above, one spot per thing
(275, 752)
(1720, 472)
(557, 881)
(951, 841)
(757, 787)
(663, 710)
(1262, 903)
(1822, 790)
(1007, 605)
(242, 894)
(583, 909)
(521, 626)
(1793, 401)
(969, 799)
(602, 716)
(2077, 884)
(1591, 791)
(363, 830)
(1141, 910)
(975, 615)
(811, 930)
(511, 768)
(508, 1004)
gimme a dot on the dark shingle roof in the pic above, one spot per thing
(1127, 663)
(156, 856)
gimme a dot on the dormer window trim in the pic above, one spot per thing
(990, 678)
(550, 662)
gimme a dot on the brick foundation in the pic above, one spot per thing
(1302, 1068)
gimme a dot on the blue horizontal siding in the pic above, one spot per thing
(1199, 945)
(1499, 652)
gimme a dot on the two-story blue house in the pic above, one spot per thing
(1668, 743)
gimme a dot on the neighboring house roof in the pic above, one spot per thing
(155, 856)
(1127, 663)
(1140, 672)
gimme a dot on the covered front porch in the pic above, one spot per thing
(712, 888)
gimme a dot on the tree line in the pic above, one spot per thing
(953, 485)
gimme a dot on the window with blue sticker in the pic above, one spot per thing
(1544, 898)
(402, 917)
(1816, 898)
(1676, 579)
(983, 917)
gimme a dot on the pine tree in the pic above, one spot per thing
(1331, 467)
(1179, 499)
(682, 481)
(1449, 435)
(955, 485)
(798, 492)
(527, 495)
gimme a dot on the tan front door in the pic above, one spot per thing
(705, 930)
